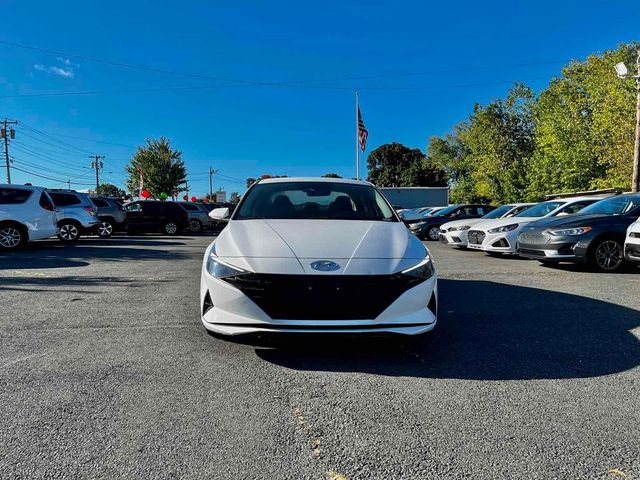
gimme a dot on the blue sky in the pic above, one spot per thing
(247, 129)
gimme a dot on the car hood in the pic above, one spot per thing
(291, 246)
(576, 220)
(501, 222)
(460, 223)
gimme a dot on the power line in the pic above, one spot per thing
(49, 178)
(262, 82)
(21, 161)
(336, 88)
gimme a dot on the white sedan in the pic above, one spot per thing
(316, 255)
(454, 233)
(632, 243)
(499, 236)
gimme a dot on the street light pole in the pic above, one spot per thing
(623, 73)
(635, 183)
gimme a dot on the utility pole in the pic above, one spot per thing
(623, 73)
(186, 187)
(97, 165)
(69, 183)
(7, 132)
(635, 183)
(212, 172)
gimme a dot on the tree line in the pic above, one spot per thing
(574, 135)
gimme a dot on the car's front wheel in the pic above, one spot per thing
(105, 229)
(607, 255)
(195, 226)
(11, 237)
(170, 228)
(69, 232)
(433, 233)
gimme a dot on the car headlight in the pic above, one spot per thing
(423, 270)
(220, 269)
(570, 231)
(506, 228)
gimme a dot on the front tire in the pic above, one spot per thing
(170, 228)
(69, 232)
(607, 255)
(105, 229)
(11, 237)
(433, 233)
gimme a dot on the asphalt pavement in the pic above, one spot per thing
(106, 372)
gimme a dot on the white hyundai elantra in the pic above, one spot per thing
(316, 255)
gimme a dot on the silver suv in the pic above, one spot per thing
(198, 216)
(76, 214)
(111, 214)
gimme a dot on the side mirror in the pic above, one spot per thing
(219, 213)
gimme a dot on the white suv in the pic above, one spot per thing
(26, 213)
(632, 243)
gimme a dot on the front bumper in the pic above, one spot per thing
(632, 249)
(504, 242)
(457, 238)
(570, 249)
(227, 310)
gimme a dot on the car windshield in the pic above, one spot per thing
(314, 201)
(444, 211)
(498, 212)
(612, 206)
(541, 209)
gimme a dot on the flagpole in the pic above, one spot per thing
(357, 143)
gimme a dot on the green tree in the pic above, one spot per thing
(453, 156)
(395, 165)
(331, 175)
(162, 167)
(109, 190)
(501, 140)
(584, 125)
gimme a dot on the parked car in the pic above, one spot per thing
(455, 233)
(429, 227)
(305, 255)
(111, 214)
(76, 214)
(500, 236)
(409, 216)
(198, 216)
(26, 213)
(151, 216)
(595, 235)
(632, 243)
(432, 211)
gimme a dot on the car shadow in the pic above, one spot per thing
(51, 254)
(485, 331)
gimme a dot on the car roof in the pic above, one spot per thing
(21, 187)
(313, 179)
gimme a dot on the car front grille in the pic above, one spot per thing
(533, 238)
(475, 237)
(531, 252)
(323, 297)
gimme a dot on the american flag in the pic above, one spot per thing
(362, 131)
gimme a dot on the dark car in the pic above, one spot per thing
(155, 216)
(429, 227)
(594, 235)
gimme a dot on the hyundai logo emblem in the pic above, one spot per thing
(325, 266)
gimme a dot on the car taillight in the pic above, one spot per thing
(91, 210)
